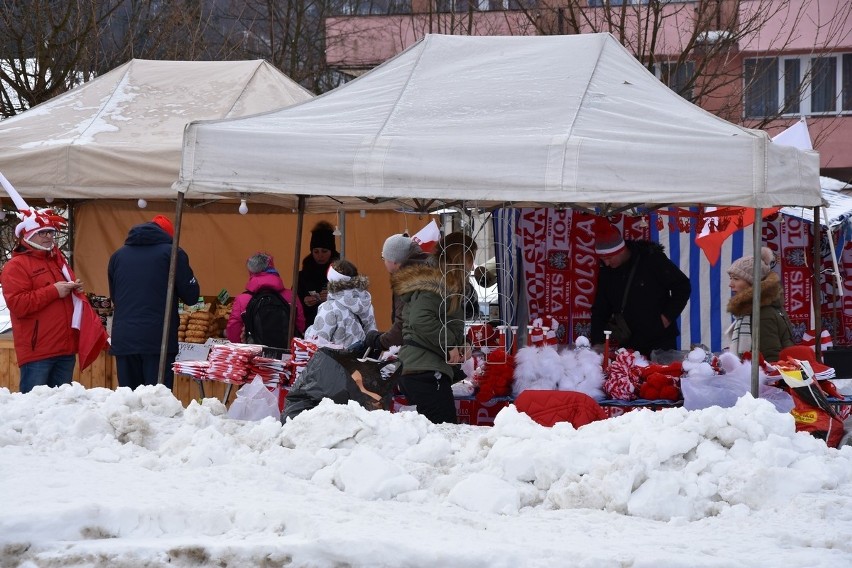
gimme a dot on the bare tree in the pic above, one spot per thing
(697, 47)
(46, 48)
(51, 46)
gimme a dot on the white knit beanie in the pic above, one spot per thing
(744, 267)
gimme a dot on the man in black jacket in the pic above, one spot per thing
(138, 281)
(657, 295)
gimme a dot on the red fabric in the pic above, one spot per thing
(497, 376)
(547, 407)
(719, 227)
(658, 386)
(93, 337)
(823, 423)
(41, 320)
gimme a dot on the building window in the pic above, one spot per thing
(761, 92)
(456, 5)
(803, 85)
(677, 77)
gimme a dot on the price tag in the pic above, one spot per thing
(192, 352)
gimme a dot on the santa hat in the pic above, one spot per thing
(165, 224)
(608, 240)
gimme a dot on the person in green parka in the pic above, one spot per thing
(433, 325)
(775, 328)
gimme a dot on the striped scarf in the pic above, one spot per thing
(739, 335)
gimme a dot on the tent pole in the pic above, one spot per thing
(757, 237)
(341, 226)
(300, 220)
(816, 284)
(170, 291)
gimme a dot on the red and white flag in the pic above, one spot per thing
(428, 236)
(825, 340)
(718, 227)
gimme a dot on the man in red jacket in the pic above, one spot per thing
(39, 296)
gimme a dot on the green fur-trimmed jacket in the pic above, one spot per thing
(428, 331)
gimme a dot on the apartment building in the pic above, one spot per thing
(759, 63)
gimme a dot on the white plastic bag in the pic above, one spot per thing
(724, 390)
(254, 402)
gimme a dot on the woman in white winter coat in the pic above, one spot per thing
(347, 315)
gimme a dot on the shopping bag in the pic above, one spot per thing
(254, 402)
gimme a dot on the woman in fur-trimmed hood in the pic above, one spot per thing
(347, 315)
(433, 325)
(775, 329)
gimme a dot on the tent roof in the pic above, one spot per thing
(544, 120)
(837, 206)
(119, 135)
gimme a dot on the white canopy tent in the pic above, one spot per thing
(119, 135)
(498, 121)
(548, 120)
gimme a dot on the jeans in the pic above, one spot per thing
(53, 371)
(137, 370)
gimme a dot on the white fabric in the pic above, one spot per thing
(493, 120)
(77, 315)
(119, 135)
(335, 276)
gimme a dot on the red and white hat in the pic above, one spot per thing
(608, 240)
(32, 220)
(36, 220)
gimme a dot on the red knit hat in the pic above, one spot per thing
(164, 224)
(608, 240)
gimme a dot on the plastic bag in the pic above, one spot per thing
(254, 402)
(724, 390)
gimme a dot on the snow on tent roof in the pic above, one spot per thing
(120, 135)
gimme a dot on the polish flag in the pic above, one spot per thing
(718, 228)
(428, 236)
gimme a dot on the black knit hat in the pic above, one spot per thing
(322, 236)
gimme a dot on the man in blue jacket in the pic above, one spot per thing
(138, 280)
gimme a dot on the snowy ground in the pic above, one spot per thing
(120, 479)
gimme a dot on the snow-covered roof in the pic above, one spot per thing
(119, 135)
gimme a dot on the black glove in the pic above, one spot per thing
(358, 348)
(374, 340)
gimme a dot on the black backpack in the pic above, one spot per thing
(267, 319)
